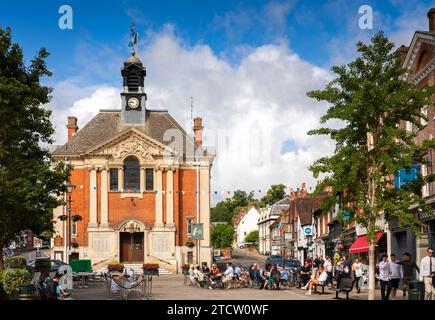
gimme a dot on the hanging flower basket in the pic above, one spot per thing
(75, 245)
(76, 217)
(63, 217)
(339, 247)
(115, 267)
(190, 244)
(151, 269)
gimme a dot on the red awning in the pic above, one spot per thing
(361, 244)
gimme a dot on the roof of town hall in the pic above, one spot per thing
(107, 124)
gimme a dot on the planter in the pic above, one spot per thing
(190, 244)
(75, 245)
(115, 267)
(151, 272)
(63, 218)
(26, 292)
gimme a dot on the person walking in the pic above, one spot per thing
(328, 268)
(408, 267)
(427, 274)
(339, 271)
(357, 273)
(396, 273)
(384, 277)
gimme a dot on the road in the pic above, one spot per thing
(246, 258)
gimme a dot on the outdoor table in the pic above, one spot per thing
(82, 276)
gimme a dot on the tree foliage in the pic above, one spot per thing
(370, 98)
(29, 185)
(222, 236)
(275, 193)
(252, 236)
(225, 211)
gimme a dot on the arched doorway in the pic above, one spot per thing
(131, 242)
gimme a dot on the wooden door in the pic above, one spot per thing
(124, 246)
(131, 247)
(137, 248)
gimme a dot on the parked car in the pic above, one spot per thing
(242, 245)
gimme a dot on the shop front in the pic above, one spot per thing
(360, 247)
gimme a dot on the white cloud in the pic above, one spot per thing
(257, 104)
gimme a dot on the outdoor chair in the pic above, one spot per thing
(346, 286)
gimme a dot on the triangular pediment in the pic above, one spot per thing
(131, 142)
(416, 70)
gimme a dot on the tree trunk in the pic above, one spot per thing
(372, 266)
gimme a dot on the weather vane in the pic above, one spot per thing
(133, 42)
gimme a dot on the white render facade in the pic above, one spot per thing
(247, 224)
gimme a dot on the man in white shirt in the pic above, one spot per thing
(229, 273)
(384, 277)
(427, 272)
(396, 273)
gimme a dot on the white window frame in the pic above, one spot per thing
(74, 229)
(189, 222)
(424, 112)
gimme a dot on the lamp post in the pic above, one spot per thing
(70, 187)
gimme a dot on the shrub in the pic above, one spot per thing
(42, 265)
(15, 262)
(13, 278)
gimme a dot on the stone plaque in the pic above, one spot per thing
(161, 246)
(101, 246)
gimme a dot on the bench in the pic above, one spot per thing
(346, 286)
(320, 285)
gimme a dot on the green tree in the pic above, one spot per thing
(275, 193)
(252, 236)
(222, 236)
(370, 99)
(226, 210)
(29, 185)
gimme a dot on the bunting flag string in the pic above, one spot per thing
(216, 193)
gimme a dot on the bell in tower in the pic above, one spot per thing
(133, 95)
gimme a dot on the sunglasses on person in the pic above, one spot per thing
(430, 252)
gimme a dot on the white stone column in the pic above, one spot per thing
(142, 179)
(159, 198)
(93, 198)
(104, 198)
(204, 213)
(120, 179)
(170, 197)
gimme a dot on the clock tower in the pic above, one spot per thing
(133, 95)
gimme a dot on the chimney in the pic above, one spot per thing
(197, 129)
(72, 127)
(431, 17)
(402, 53)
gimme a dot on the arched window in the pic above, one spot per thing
(131, 174)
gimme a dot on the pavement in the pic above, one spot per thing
(171, 287)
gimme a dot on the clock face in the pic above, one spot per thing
(133, 103)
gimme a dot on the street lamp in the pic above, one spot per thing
(69, 188)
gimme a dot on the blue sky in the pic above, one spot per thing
(248, 65)
(229, 27)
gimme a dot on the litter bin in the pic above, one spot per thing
(416, 290)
